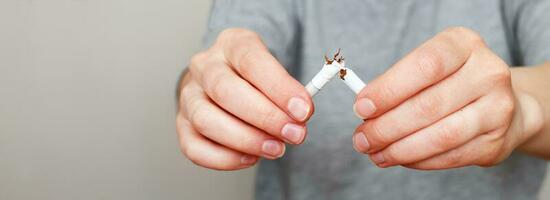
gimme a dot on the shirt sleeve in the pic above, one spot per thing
(531, 25)
(274, 20)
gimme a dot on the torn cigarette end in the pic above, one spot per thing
(353, 81)
(343, 73)
(328, 61)
(329, 70)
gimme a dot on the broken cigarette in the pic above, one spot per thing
(331, 68)
(352, 80)
(320, 79)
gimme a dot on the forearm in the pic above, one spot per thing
(532, 87)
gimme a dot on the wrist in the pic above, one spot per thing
(530, 116)
(530, 112)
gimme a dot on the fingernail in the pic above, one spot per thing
(248, 159)
(364, 108)
(273, 148)
(298, 108)
(378, 158)
(360, 142)
(293, 133)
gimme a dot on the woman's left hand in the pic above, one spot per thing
(449, 103)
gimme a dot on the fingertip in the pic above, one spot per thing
(299, 108)
(379, 160)
(311, 109)
(355, 112)
(294, 133)
(364, 108)
(249, 160)
(310, 103)
(360, 143)
(273, 149)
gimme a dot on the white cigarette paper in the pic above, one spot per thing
(353, 81)
(323, 77)
(330, 69)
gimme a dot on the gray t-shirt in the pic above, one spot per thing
(373, 36)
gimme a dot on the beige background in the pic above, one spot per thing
(86, 101)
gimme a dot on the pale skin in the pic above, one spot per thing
(449, 103)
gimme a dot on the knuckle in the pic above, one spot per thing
(494, 156)
(249, 144)
(460, 30)
(198, 118)
(239, 37)
(386, 92)
(245, 63)
(186, 99)
(232, 33)
(229, 33)
(459, 33)
(446, 137)
(197, 60)
(269, 118)
(453, 159)
(499, 75)
(503, 110)
(375, 136)
(186, 92)
(427, 106)
(430, 65)
(245, 34)
(239, 144)
(182, 124)
(220, 87)
(183, 146)
(184, 95)
(185, 102)
(494, 138)
(393, 155)
(198, 63)
(507, 105)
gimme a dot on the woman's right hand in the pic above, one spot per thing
(238, 103)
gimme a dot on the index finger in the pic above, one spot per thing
(434, 60)
(250, 58)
